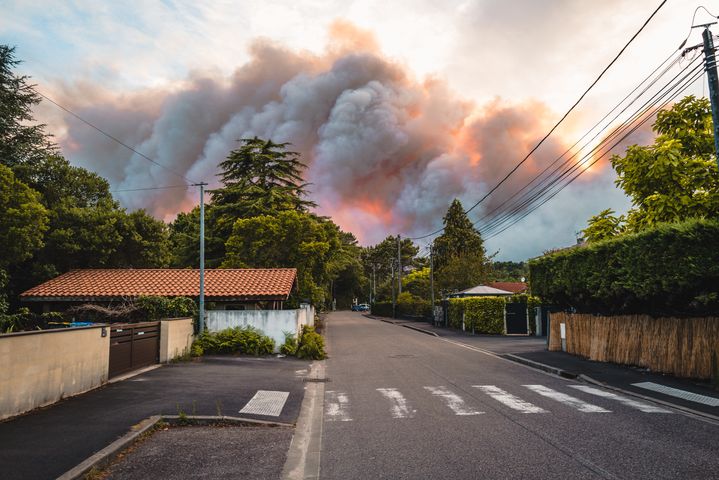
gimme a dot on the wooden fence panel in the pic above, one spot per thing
(679, 346)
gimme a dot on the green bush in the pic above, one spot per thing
(290, 345)
(156, 308)
(382, 309)
(672, 269)
(412, 305)
(24, 320)
(311, 344)
(239, 340)
(481, 314)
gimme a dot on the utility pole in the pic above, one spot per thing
(431, 276)
(374, 283)
(710, 65)
(399, 264)
(394, 303)
(202, 257)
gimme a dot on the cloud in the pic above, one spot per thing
(386, 151)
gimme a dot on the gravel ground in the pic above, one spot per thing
(216, 452)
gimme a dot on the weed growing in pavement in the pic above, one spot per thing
(218, 407)
(290, 345)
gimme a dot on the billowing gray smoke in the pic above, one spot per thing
(385, 152)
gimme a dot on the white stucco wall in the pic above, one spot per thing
(40, 368)
(176, 335)
(273, 323)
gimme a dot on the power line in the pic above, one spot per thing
(528, 197)
(559, 122)
(150, 188)
(113, 138)
(498, 230)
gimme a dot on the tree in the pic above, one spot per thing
(311, 244)
(383, 257)
(145, 241)
(672, 180)
(23, 219)
(259, 178)
(603, 226)
(19, 141)
(460, 258)
(418, 283)
(509, 271)
(184, 238)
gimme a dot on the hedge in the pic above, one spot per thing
(672, 269)
(382, 309)
(481, 314)
(413, 306)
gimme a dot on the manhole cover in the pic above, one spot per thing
(402, 355)
(317, 380)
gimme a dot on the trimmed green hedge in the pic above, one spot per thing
(238, 340)
(413, 306)
(382, 309)
(669, 270)
(481, 314)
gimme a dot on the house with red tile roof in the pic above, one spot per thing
(227, 289)
(514, 287)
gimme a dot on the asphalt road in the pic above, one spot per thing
(47, 442)
(402, 404)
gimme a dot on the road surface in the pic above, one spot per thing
(402, 404)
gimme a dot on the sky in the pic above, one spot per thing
(396, 107)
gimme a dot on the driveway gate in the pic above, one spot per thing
(133, 346)
(516, 318)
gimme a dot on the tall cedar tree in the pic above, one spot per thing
(19, 141)
(460, 257)
(259, 178)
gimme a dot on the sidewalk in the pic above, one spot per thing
(47, 442)
(532, 351)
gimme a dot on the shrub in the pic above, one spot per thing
(481, 314)
(290, 345)
(411, 305)
(382, 309)
(240, 340)
(672, 269)
(311, 344)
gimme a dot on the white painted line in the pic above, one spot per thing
(683, 394)
(266, 402)
(644, 407)
(453, 401)
(337, 407)
(400, 407)
(560, 397)
(510, 400)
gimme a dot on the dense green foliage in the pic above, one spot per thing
(481, 314)
(24, 320)
(674, 179)
(509, 271)
(311, 345)
(383, 309)
(671, 269)
(413, 306)
(460, 257)
(290, 345)
(155, 308)
(240, 340)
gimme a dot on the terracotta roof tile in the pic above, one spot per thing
(514, 287)
(246, 283)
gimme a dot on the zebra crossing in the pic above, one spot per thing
(339, 407)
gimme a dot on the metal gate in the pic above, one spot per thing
(133, 346)
(516, 318)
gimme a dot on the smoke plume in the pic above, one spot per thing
(386, 152)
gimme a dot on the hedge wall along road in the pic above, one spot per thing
(481, 314)
(669, 270)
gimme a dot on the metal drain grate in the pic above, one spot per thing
(683, 394)
(316, 380)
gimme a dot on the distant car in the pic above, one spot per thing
(355, 308)
(362, 307)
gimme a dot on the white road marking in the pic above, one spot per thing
(683, 394)
(573, 402)
(400, 407)
(337, 407)
(644, 407)
(266, 402)
(509, 400)
(453, 401)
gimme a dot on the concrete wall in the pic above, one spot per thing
(42, 367)
(176, 335)
(272, 323)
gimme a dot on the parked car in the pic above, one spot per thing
(363, 307)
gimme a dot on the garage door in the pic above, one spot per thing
(133, 346)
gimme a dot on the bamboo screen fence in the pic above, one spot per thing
(679, 346)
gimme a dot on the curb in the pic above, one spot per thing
(422, 330)
(587, 379)
(105, 456)
(541, 366)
